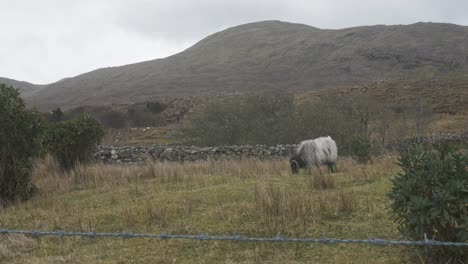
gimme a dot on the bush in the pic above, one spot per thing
(74, 140)
(156, 107)
(218, 124)
(324, 118)
(277, 117)
(20, 131)
(252, 119)
(140, 116)
(430, 197)
(112, 119)
(361, 148)
(57, 115)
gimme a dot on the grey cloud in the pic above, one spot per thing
(44, 41)
(187, 19)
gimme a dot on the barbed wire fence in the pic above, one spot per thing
(278, 239)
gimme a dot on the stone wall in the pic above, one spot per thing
(192, 153)
(118, 154)
(445, 138)
(128, 154)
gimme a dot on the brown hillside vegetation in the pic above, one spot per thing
(268, 56)
(446, 97)
(444, 94)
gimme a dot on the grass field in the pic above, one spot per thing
(250, 198)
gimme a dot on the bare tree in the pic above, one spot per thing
(422, 116)
(383, 124)
(400, 128)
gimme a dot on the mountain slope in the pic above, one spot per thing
(272, 55)
(24, 88)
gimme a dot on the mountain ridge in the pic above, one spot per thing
(25, 88)
(271, 55)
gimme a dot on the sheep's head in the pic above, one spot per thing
(296, 163)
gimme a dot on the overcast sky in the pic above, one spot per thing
(44, 41)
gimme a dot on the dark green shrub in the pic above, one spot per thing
(156, 107)
(112, 119)
(57, 115)
(20, 131)
(74, 140)
(430, 197)
(361, 148)
(140, 116)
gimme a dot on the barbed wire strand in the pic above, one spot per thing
(238, 238)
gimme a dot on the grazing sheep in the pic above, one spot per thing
(316, 152)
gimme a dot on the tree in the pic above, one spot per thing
(156, 107)
(422, 116)
(252, 119)
(20, 132)
(385, 119)
(361, 148)
(141, 115)
(73, 141)
(270, 117)
(329, 117)
(217, 124)
(57, 115)
(361, 107)
(112, 119)
(400, 128)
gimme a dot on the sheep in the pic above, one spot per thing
(316, 152)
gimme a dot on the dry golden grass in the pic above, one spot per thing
(250, 198)
(49, 178)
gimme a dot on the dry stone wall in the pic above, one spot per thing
(445, 138)
(129, 154)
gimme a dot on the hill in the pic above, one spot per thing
(443, 95)
(24, 88)
(272, 55)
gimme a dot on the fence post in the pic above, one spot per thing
(427, 249)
